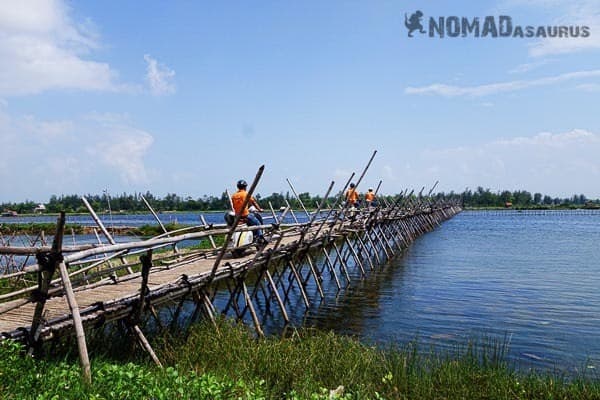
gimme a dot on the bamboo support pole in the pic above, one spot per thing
(175, 249)
(332, 269)
(362, 249)
(299, 199)
(107, 234)
(100, 243)
(287, 203)
(345, 207)
(144, 342)
(264, 267)
(249, 304)
(210, 237)
(367, 235)
(77, 323)
(49, 265)
(385, 240)
(355, 256)
(146, 261)
(317, 278)
(343, 265)
(273, 213)
(275, 292)
(209, 307)
(300, 284)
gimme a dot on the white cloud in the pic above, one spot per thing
(42, 157)
(526, 67)
(580, 13)
(42, 48)
(566, 13)
(500, 87)
(123, 150)
(159, 77)
(589, 87)
(553, 163)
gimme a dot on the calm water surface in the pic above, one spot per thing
(532, 278)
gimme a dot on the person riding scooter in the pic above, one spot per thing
(250, 218)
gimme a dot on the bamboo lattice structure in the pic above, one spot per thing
(80, 287)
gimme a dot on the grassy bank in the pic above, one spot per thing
(306, 365)
(35, 228)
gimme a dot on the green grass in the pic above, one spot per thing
(233, 363)
(35, 228)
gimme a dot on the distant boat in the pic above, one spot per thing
(9, 213)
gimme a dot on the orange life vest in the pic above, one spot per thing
(370, 196)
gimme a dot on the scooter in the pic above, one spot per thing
(241, 241)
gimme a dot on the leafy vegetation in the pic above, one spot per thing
(231, 363)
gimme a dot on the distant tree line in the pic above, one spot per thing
(171, 202)
(480, 197)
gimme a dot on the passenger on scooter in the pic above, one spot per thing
(251, 218)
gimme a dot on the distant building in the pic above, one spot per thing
(39, 209)
(508, 204)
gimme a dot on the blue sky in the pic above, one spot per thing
(187, 97)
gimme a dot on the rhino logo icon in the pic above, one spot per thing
(414, 23)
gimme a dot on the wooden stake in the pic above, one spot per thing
(77, 323)
(144, 342)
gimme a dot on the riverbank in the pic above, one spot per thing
(231, 363)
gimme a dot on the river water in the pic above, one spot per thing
(532, 280)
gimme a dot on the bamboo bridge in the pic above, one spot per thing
(82, 287)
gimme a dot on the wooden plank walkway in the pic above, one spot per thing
(127, 290)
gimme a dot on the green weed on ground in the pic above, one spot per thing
(231, 363)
